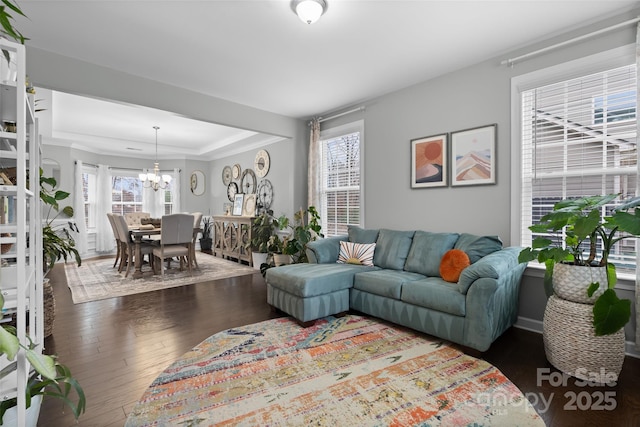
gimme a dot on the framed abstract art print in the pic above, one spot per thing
(473, 156)
(429, 161)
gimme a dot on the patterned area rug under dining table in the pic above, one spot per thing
(96, 279)
(348, 371)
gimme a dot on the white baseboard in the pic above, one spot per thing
(534, 325)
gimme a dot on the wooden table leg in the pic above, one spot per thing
(138, 261)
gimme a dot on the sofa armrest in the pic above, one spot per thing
(325, 251)
(492, 266)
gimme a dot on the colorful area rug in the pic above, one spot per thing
(96, 279)
(349, 371)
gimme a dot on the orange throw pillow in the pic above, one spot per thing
(452, 264)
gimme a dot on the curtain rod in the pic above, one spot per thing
(118, 168)
(512, 61)
(335, 116)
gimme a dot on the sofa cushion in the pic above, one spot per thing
(324, 250)
(309, 280)
(452, 264)
(361, 235)
(435, 293)
(427, 250)
(386, 283)
(478, 246)
(392, 248)
(356, 253)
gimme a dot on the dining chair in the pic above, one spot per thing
(128, 246)
(197, 219)
(115, 235)
(175, 241)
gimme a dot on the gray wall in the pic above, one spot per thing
(471, 97)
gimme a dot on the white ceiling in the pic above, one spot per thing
(258, 53)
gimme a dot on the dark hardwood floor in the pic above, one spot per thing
(116, 347)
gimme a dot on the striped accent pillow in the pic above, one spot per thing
(356, 253)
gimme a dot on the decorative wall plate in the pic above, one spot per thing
(226, 175)
(235, 171)
(261, 164)
(248, 181)
(265, 194)
(232, 190)
(197, 183)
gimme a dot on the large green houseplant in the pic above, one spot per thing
(57, 241)
(48, 376)
(567, 230)
(263, 228)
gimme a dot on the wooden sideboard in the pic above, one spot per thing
(232, 237)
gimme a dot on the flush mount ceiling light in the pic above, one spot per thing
(309, 11)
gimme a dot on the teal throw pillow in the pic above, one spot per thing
(361, 235)
(478, 246)
(392, 248)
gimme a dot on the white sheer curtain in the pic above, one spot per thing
(637, 190)
(153, 202)
(176, 185)
(315, 166)
(78, 211)
(104, 234)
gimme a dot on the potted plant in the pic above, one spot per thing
(263, 228)
(574, 223)
(48, 377)
(57, 241)
(206, 241)
(578, 277)
(7, 29)
(306, 228)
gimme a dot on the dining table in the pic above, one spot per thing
(137, 235)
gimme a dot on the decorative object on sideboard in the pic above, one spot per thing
(473, 156)
(249, 207)
(429, 161)
(154, 179)
(238, 200)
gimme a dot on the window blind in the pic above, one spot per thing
(340, 183)
(579, 139)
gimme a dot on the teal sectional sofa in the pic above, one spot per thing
(404, 285)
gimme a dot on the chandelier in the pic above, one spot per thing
(154, 179)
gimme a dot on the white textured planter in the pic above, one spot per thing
(258, 258)
(571, 282)
(11, 416)
(571, 345)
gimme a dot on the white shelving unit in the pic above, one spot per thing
(20, 219)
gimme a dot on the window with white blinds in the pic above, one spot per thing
(341, 173)
(579, 139)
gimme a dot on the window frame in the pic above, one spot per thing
(335, 132)
(618, 57)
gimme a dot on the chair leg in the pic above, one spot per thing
(117, 253)
(129, 262)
